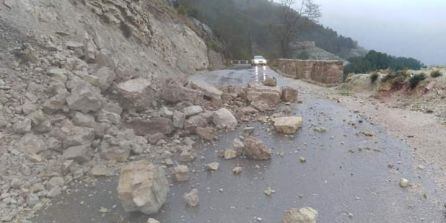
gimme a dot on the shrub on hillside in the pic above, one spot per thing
(374, 77)
(416, 79)
(396, 76)
(436, 73)
(395, 80)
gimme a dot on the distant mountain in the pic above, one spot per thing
(247, 27)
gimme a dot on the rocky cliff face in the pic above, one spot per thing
(139, 38)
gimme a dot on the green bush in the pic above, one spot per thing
(436, 73)
(398, 75)
(378, 61)
(182, 10)
(374, 77)
(416, 79)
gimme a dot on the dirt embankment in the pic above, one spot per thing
(416, 116)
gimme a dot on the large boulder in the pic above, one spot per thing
(195, 121)
(118, 145)
(178, 119)
(31, 144)
(105, 77)
(192, 110)
(72, 135)
(40, 121)
(136, 93)
(154, 125)
(255, 149)
(142, 187)
(270, 81)
(224, 119)
(263, 98)
(289, 94)
(287, 125)
(303, 215)
(174, 92)
(83, 120)
(84, 98)
(80, 154)
(22, 125)
(110, 113)
(58, 99)
(208, 90)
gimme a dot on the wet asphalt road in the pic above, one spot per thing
(347, 177)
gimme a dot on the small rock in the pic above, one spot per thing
(155, 138)
(152, 220)
(320, 129)
(55, 182)
(230, 154)
(166, 112)
(100, 171)
(22, 126)
(404, 183)
(206, 133)
(303, 215)
(192, 198)
(178, 119)
(55, 191)
(237, 170)
(103, 210)
(287, 125)
(181, 173)
(302, 159)
(238, 144)
(256, 149)
(247, 131)
(186, 156)
(212, 166)
(269, 191)
(58, 74)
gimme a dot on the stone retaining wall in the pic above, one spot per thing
(322, 71)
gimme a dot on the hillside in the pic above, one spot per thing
(73, 74)
(308, 50)
(249, 27)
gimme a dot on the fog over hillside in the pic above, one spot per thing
(415, 28)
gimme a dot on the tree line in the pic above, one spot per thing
(249, 27)
(379, 61)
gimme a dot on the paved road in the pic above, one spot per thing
(348, 176)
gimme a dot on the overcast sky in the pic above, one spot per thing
(413, 28)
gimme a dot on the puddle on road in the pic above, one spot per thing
(346, 173)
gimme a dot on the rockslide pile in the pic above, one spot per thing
(74, 75)
(86, 86)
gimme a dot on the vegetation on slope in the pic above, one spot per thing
(249, 27)
(378, 61)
